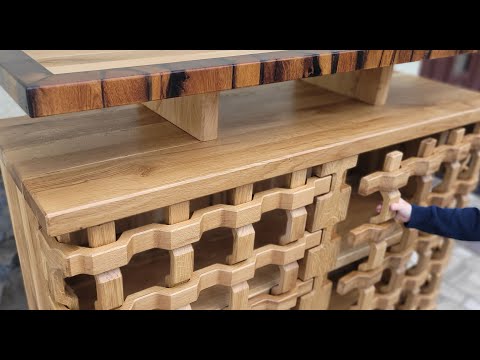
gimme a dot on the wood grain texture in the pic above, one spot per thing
(244, 236)
(196, 114)
(178, 212)
(68, 61)
(181, 266)
(36, 258)
(109, 290)
(264, 133)
(296, 221)
(181, 259)
(207, 274)
(85, 80)
(28, 268)
(74, 260)
(101, 234)
(162, 298)
(285, 301)
(370, 86)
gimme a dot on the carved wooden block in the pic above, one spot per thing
(181, 265)
(318, 261)
(287, 300)
(288, 278)
(196, 114)
(331, 208)
(239, 297)
(323, 290)
(101, 235)
(181, 259)
(375, 236)
(109, 290)
(370, 86)
(392, 163)
(243, 243)
(61, 292)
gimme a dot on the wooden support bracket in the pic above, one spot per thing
(370, 86)
(197, 114)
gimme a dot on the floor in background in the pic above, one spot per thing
(461, 283)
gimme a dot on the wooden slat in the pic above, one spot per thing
(24, 253)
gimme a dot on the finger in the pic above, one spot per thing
(395, 207)
(379, 208)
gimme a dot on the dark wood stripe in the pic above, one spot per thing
(361, 59)
(175, 84)
(335, 57)
(41, 93)
(317, 70)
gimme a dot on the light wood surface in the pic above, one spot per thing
(65, 177)
(196, 114)
(101, 235)
(371, 86)
(75, 260)
(421, 282)
(109, 290)
(355, 231)
(247, 221)
(28, 268)
(147, 270)
(108, 284)
(71, 61)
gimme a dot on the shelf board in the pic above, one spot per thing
(93, 167)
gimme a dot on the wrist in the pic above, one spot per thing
(409, 213)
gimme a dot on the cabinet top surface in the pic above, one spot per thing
(84, 169)
(51, 82)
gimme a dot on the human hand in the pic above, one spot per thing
(402, 208)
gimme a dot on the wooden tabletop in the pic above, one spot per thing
(88, 168)
(50, 82)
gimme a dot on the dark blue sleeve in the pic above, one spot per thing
(460, 224)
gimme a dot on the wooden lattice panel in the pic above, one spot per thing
(382, 280)
(143, 216)
(214, 250)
